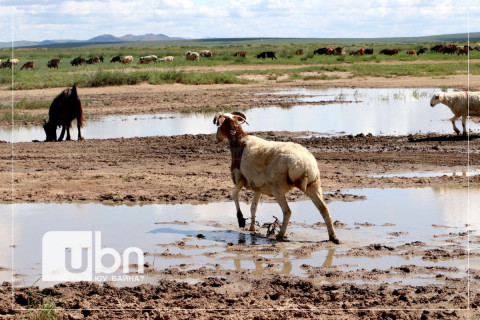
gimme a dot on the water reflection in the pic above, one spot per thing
(377, 111)
(411, 212)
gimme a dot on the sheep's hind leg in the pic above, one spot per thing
(314, 192)
(253, 210)
(240, 218)
(282, 201)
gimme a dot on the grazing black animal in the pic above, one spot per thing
(368, 50)
(64, 108)
(77, 61)
(116, 59)
(266, 54)
(423, 50)
(320, 51)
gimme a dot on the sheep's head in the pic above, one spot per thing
(436, 99)
(228, 124)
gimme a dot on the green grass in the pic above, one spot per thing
(108, 74)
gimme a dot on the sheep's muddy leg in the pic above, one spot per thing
(314, 192)
(454, 126)
(253, 210)
(282, 201)
(240, 218)
(464, 122)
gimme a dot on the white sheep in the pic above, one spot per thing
(192, 55)
(167, 59)
(457, 102)
(270, 168)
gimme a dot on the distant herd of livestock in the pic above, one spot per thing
(191, 55)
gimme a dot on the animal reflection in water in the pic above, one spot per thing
(272, 265)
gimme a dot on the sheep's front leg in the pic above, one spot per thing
(253, 210)
(454, 126)
(241, 220)
(282, 201)
(464, 122)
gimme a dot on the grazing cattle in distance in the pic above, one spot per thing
(242, 54)
(320, 51)
(451, 48)
(359, 52)
(368, 50)
(93, 60)
(116, 59)
(126, 59)
(167, 59)
(206, 53)
(411, 52)
(9, 63)
(53, 63)
(64, 108)
(338, 51)
(299, 52)
(148, 59)
(330, 51)
(78, 61)
(463, 50)
(390, 52)
(437, 48)
(423, 50)
(193, 56)
(266, 54)
(27, 65)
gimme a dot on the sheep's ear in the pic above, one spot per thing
(440, 97)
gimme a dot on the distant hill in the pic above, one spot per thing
(104, 38)
(151, 39)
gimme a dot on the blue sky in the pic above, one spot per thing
(83, 19)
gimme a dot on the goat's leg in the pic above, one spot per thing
(314, 192)
(62, 134)
(454, 126)
(253, 210)
(79, 132)
(282, 201)
(68, 134)
(241, 219)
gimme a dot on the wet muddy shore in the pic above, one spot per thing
(433, 278)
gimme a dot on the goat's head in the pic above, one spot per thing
(436, 99)
(228, 124)
(50, 129)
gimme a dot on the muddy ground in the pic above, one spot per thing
(195, 169)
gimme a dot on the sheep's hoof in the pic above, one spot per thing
(335, 240)
(241, 220)
(281, 237)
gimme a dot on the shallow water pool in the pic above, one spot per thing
(354, 111)
(169, 234)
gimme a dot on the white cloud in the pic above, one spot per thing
(55, 19)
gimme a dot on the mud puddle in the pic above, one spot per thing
(421, 228)
(334, 111)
